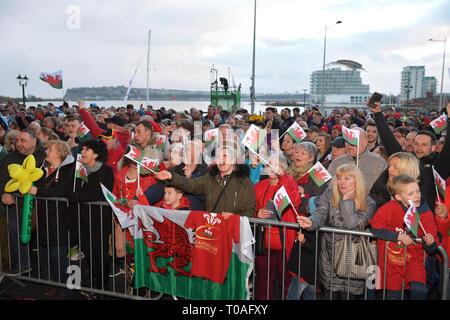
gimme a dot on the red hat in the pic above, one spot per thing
(324, 128)
(337, 126)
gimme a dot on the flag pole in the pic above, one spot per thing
(435, 186)
(420, 224)
(357, 154)
(262, 158)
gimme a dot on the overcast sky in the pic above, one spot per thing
(188, 37)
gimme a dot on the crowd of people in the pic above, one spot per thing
(371, 187)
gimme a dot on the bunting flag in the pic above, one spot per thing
(123, 214)
(319, 174)
(296, 132)
(412, 218)
(82, 130)
(178, 252)
(160, 141)
(439, 124)
(80, 170)
(281, 200)
(350, 135)
(211, 136)
(254, 137)
(53, 79)
(439, 182)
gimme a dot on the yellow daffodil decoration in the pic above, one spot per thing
(23, 175)
(22, 178)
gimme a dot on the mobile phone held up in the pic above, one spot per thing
(376, 97)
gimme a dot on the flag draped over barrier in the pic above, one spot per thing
(167, 256)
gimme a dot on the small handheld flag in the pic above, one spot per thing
(82, 131)
(319, 174)
(412, 219)
(439, 184)
(296, 132)
(211, 136)
(254, 137)
(439, 124)
(350, 135)
(160, 141)
(80, 170)
(282, 200)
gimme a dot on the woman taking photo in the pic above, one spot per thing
(51, 216)
(344, 205)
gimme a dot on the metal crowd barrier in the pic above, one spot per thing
(39, 257)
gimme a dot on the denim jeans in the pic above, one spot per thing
(306, 294)
(19, 251)
(417, 291)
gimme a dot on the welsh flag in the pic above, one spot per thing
(80, 170)
(296, 132)
(254, 137)
(439, 124)
(319, 174)
(54, 79)
(412, 218)
(440, 183)
(163, 255)
(281, 200)
(82, 131)
(149, 165)
(123, 214)
(350, 135)
(160, 141)
(135, 154)
(211, 136)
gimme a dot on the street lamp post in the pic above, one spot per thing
(442, 72)
(23, 83)
(408, 89)
(323, 64)
(252, 89)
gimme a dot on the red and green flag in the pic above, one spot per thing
(297, 133)
(53, 79)
(439, 124)
(160, 141)
(254, 138)
(440, 183)
(148, 165)
(319, 174)
(350, 135)
(211, 136)
(80, 170)
(82, 131)
(136, 154)
(412, 218)
(164, 256)
(281, 200)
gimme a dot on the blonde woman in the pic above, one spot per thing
(343, 205)
(398, 163)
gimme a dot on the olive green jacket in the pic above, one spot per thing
(238, 197)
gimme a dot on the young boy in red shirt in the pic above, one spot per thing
(389, 226)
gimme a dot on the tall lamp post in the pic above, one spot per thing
(443, 66)
(323, 64)
(304, 97)
(23, 83)
(408, 89)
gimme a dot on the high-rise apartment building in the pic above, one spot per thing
(430, 85)
(412, 83)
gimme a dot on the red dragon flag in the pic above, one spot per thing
(296, 132)
(281, 200)
(82, 131)
(439, 182)
(319, 174)
(160, 141)
(80, 170)
(439, 124)
(149, 165)
(211, 136)
(54, 79)
(412, 218)
(350, 135)
(254, 137)
(135, 154)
